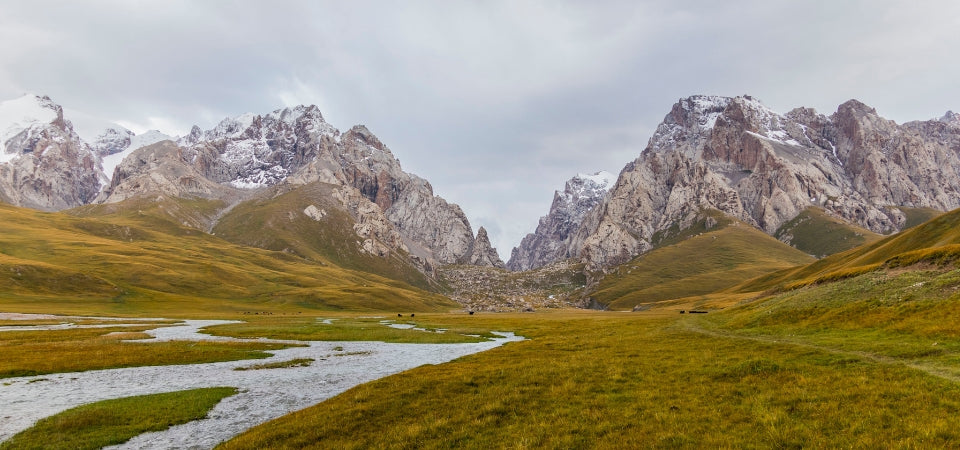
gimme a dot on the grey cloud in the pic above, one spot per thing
(496, 103)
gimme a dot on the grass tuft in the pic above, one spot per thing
(298, 362)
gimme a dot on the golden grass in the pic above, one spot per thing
(297, 362)
(815, 232)
(344, 329)
(28, 353)
(112, 422)
(941, 232)
(699, 265)
(130, 263)
(629, 380)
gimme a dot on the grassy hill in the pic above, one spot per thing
(134, 261)
(699, 265)
(819, 234)
(278, 223)
(935, 241)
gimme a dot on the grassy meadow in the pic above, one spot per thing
(698, 265)
(31, 353)
(647, 379)
(129, 262)
(858, 349)
(112, 422)
(868, 361)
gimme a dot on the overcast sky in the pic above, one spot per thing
(495, 103)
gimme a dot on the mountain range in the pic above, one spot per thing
(288, 181)
(763, 168)
(47, 165)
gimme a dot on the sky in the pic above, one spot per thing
(496, 103)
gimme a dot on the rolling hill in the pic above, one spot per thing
(134, 261)
(706, 262)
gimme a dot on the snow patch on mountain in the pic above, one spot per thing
(21, 114)
(951, 118)
(111, 161)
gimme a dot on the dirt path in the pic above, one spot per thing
(930, 369)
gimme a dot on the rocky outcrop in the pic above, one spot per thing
(482, 253)
(297, 146)
(162, 169)
(551, 240)
(111, 141)
(764, 168)
(43, 163)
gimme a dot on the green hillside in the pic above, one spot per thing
(817, 233)
(278, 223)
(699, 265)
(137, 262)
(934, 241)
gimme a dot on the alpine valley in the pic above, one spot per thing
(726, 190)
(751, 279)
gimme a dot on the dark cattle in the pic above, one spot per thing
(399, 315)
(471, 313)
(412, 315)
(683, 311)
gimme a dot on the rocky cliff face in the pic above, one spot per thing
(737, 156)
(297, 146)
(482, 253)
(43, 163)
(550, 241)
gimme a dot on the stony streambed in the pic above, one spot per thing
(264, 395)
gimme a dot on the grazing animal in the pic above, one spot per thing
(471, 313)
(399, 315)
(411, 314)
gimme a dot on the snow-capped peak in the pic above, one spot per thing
(21, 113)
(588, 186)
(951, 118)
(111, 161)
(603, 179)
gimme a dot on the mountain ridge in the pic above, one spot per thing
(735, 155)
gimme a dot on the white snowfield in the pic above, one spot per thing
(264, 394)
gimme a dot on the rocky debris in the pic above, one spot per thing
(314, 213)
(550, 241)
(764, 168)
(378, 234)
(480, 288)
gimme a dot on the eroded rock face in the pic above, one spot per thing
(550, 241)
(162, 168)
(482, 253)
(737, 156)
(43, 163)
(296, 146)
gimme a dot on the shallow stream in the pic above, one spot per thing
(265, 394)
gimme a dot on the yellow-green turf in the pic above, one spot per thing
(111, 422)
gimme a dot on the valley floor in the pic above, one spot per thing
(264, 394)
(871, 361)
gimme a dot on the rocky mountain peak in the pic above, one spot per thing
(482, 252)
(855, 108)
(550, 241)
(951, 118)
(43, 162)
(736, 155)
